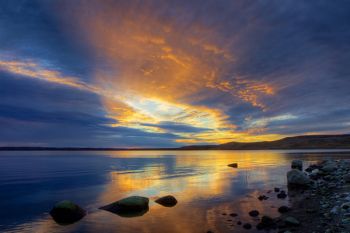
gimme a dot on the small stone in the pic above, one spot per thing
(283, 209)
(233, 215)
(254, 213)
(277, 190)
(247, 226)
(167, 201)
(346, 178)
(266, 220)
(282, 195)
(310, 211)
(234, 165)
(291, 221)
(239, 223)
(263, 197)
(345, 205)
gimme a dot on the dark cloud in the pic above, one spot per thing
(300, 48)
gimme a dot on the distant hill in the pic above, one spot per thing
(298, 142)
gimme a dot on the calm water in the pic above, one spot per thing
(31, 182)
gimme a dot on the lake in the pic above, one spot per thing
(207, 190)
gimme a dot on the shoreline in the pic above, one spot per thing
(319, 200)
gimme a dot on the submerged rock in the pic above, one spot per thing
(129, 207)
(234, 165)
(66, 212)
(254, 213)
(297, 178)
(297, 164)
(167, 201)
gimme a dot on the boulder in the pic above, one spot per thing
(297, 164)
(167, 201)
(297, 178)
(129, 207)
(66, 212)
(234, 165)
(329, 166)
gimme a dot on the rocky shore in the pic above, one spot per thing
(324, 204)
(319, 201)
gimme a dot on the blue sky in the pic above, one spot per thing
(171, 73)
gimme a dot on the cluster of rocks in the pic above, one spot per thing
(67, 212)
(319, 197)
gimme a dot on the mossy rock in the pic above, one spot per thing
(67, 212)
(167, 201)
(129, 207)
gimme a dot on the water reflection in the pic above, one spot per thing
(205, 187)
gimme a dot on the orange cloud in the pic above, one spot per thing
(155, 71)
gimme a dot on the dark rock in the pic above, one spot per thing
(277, 190)
(233, 215)
(297, 178)
(234, 165)
(263, 197)
(282, 195)
(283, 209)
(239, 223)
(310, 211)
(297, 164)
(128, 207)
(346, 178)
(291, 221)
(247, 226)
(66, 212)
(254, 213)
(267, 221)
(167, 201)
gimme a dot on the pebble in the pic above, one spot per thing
(247, 226)
(254, 213)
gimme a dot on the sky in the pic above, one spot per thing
(171, 73)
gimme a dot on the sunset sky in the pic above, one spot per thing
(171, 73)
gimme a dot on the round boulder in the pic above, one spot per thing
(167, 201)
(297, 178)
(66, 212)
(297, 164)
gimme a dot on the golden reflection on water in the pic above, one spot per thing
(201, 181)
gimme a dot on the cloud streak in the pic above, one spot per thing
(189, 72)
